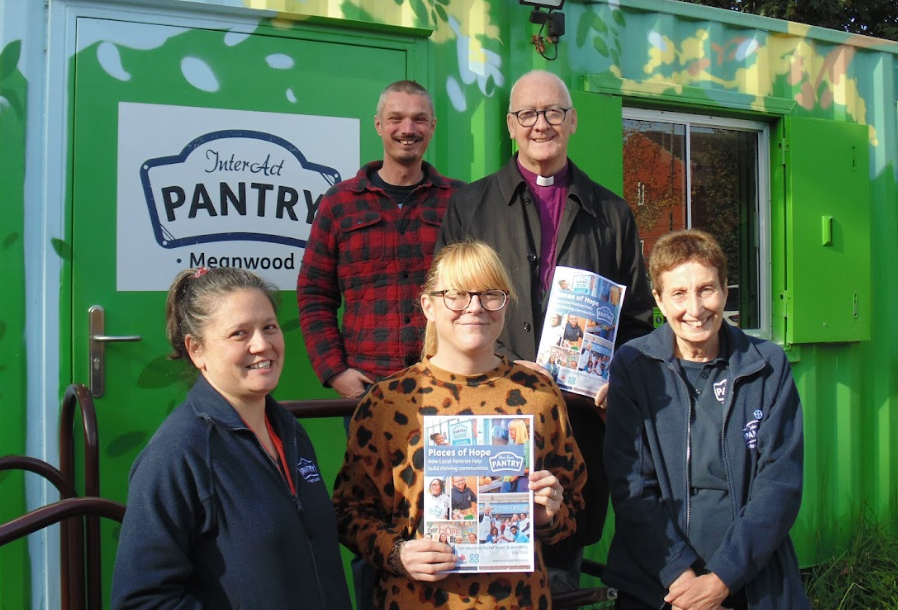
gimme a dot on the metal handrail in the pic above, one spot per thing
(76, 395)
(321, 407)
(56, 478)
(51, 514)
(72, 568)
(582, 597)
(72, 557)
(345, 407)
(341, 407)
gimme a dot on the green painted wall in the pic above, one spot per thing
(14, 573)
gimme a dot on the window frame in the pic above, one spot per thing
(764, 229)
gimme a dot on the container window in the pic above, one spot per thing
(688, 171)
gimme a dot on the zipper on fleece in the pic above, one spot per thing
(299, 509)
(679, 376)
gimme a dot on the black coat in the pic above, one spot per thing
(597, 233)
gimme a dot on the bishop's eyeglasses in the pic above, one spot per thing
(528, 117)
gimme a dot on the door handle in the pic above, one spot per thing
(98, 341)
(109, 339)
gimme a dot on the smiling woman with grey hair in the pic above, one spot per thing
(703, 451)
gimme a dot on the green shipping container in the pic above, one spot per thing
(779, 138)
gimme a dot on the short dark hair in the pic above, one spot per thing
(679, 247)
(195, 296)
(405, 86)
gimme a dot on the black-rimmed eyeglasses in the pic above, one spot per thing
(528, 117)
(458, 300)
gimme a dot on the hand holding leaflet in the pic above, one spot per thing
(578, 336)
(492, 494)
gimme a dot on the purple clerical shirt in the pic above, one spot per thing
(550, 204)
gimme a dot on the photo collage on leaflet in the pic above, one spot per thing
(578, 335)
(476, 490)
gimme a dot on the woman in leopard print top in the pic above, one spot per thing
(379, 493)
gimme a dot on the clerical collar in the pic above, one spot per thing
(558, 180)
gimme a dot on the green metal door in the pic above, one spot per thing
(154, 80)
(596, 147)
(828, 215)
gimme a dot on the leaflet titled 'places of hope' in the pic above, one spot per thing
(477, 497)
(578, 337)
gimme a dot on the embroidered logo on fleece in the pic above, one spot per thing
(720, 391)
(308, 470)
(750, 431)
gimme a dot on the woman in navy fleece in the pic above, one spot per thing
(226, 505)
(703, 451)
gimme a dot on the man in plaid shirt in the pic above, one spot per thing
(370, 247)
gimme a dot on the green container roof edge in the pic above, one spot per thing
(746, 20)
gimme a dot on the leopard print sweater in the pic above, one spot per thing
(379, 492)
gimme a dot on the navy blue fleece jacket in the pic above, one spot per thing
(212, 524)
(647, 462)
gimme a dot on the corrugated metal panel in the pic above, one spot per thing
(850, 440)
(719, 62)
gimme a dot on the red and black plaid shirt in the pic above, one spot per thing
(373, 255)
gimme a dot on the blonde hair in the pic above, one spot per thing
(520, 431)
(466, 265)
